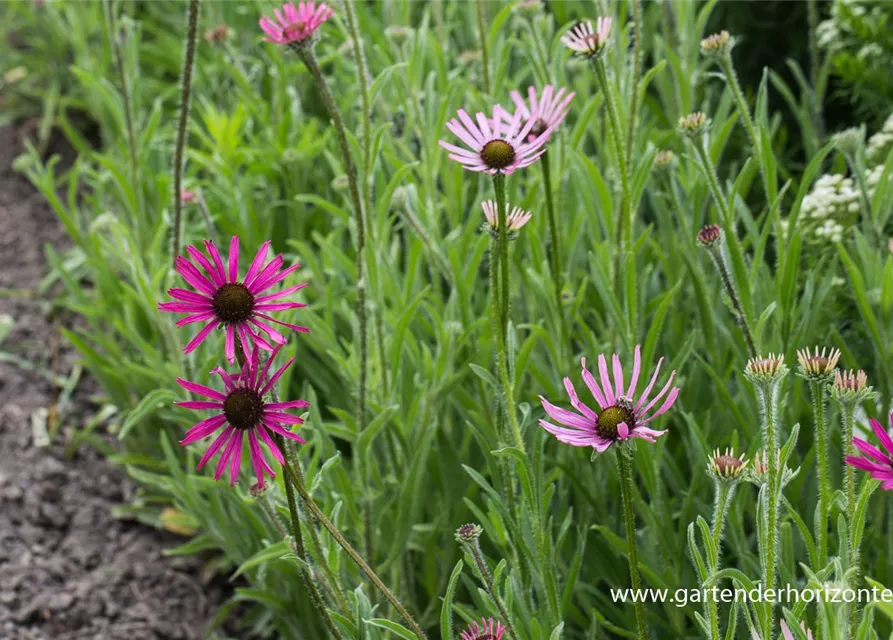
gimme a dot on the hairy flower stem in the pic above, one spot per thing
(815, 64)
(725, 63)
(301, 551)
(485, 58)
(309, 58)
(768, 397)
(292, 478)
(713, 181)
(624, 225)
(624, 465)
(725, 491)
(363, 82)
(817, 391)
(128, 105)
(555, 253)
(180, 144)
(725, 275)
(474, 550)
(502, 330)
(636, 72)
(849, 449)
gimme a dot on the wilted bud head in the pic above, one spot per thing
(220, 33)
(665, 160)
(258, 489)
(514, 220)
(765, 369)
(717, 44)
(398, 33)
(694, 125)
(817, 365)
(726, 466)
(710, 235)
(851, 387)
(468, 533)
(850, 141)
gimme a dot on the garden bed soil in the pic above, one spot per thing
(69, 569)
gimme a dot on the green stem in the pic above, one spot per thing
(624, 462)
(555, 253)
(817, 392)
(725, 275)
(769, 411)
(484, 570)
(624, 225)
(724, 493)
(504, 283)
(713, 180)
(485, 58)
(301, 551)
(636, 72)
(180, 144)
(291, 476)
(725, 62)
(849, 449)
(815, 69)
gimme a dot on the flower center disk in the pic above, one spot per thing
(610, 418)
(498, 154)
(294, 30)
(243, 408)
(233, 303)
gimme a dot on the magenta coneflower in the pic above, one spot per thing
(295, 25)
(496, 145)
(236, 304)
(878, 463)
(585, 40)
(514, 220)
(552, 107)
(241, 410)
(786, 632)
(620, 416)
(487, 630)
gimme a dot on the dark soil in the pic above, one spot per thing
(68, 568)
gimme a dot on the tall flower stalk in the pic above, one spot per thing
(719, 47)
(183, 118)
(817, 368)
(468, 535)
(482, 31)
(634, 81)
(850, 389)
(318, 513)
(624, 466)
(711, 238)
(620, 421)
(766, 374)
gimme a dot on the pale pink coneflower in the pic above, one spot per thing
(498, 144)
(515, 219)
(241, 410)
(552, 107)
(786, 632)
(586, 41)
(222, 298)
(295, 25)
(620, 416)
(487, 630)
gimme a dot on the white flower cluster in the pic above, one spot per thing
(881, 143)
(833, 206)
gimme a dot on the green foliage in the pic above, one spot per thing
(263, 156)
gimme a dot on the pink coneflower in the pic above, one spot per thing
(786, 632)
(241, 410)
(876, 462)
(620, 416)
(585, 40)
(496, 145)
(552, 108)
(236, 304)
(188, 197)
(487, 630)
(514, 220)
(295, 25)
